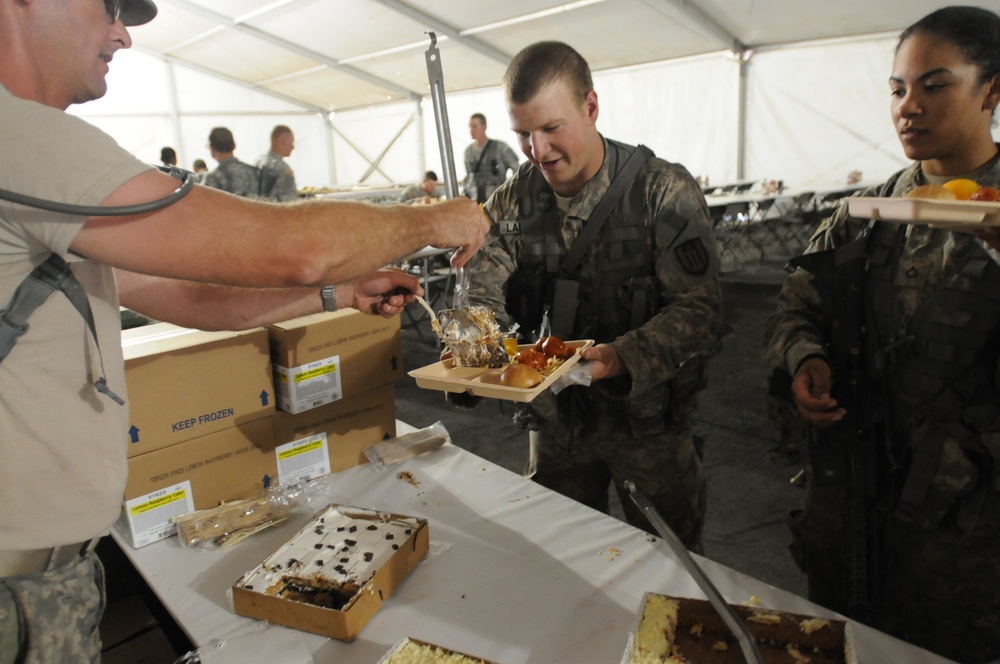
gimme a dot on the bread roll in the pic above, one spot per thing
(521, 376)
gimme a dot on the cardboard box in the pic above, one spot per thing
(197, 474)
(183, 384)
(331, 437)
(322, 358)
(333, 575)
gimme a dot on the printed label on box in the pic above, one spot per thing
(148, 517)
(309, 385)
(303, 459)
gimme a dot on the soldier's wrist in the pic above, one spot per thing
(811, 356)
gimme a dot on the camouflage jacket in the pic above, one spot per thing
(932, 316)
(933, 255)
(234, 176)
(690, 318)
(284, 186)
(487, 168)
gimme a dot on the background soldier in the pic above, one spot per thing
(487, 161)
(231, 174)
(279, 183)
(646, 287)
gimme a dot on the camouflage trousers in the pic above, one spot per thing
(938, 588)
(53, 616)
(581, 462)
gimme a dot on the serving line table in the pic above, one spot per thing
(515, 574)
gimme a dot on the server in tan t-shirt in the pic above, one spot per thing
(63, 433)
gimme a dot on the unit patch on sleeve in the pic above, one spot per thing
(693, 256)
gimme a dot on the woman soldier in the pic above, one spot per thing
(901, 520)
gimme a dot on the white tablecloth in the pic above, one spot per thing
(515, 574)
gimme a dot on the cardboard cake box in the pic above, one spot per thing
(184, 384)
(321, 358)
(680, 629)
(332, 576)
(410, 651)
(334, 434)
(226, 465)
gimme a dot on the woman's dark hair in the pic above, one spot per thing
(975, 31)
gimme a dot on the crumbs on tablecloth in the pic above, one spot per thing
(407, 476)
(612, 552)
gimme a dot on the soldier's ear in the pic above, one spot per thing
(591, 107)
(992, 95)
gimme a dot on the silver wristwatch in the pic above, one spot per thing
(329, 297)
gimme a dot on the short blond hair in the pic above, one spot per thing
(541, 63)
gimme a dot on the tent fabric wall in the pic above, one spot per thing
(819, 111)
(814, 112)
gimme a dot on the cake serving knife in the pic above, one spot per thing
(747, 643)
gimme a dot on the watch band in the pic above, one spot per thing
(329, 296)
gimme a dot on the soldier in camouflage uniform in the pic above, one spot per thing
(231, 174)
(279, 183)
(647, 291)
(932, 357)
(487, 161)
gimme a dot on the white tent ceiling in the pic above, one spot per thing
(732, 89)
(332, 55)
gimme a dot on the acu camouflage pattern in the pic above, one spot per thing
(628, 427)
(234, 176)
(493, 161)
(941, 585)
(58, 613)
(284, 188)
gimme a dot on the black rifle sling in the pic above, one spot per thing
(52, 275)
(482, 155)
(617, 188)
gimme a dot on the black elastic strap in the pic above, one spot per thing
(482, 155)
(52, 275)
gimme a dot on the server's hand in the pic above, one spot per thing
(459, 223)
(382, 293)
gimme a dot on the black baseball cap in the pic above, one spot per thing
(137, 12)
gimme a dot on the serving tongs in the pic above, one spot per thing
(751, 653)
(465, 330)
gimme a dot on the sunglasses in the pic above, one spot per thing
(114, 9)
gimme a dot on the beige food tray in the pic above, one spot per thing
(951, 215)
(447, 377)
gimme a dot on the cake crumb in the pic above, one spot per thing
(407, 476)
(612, 552)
